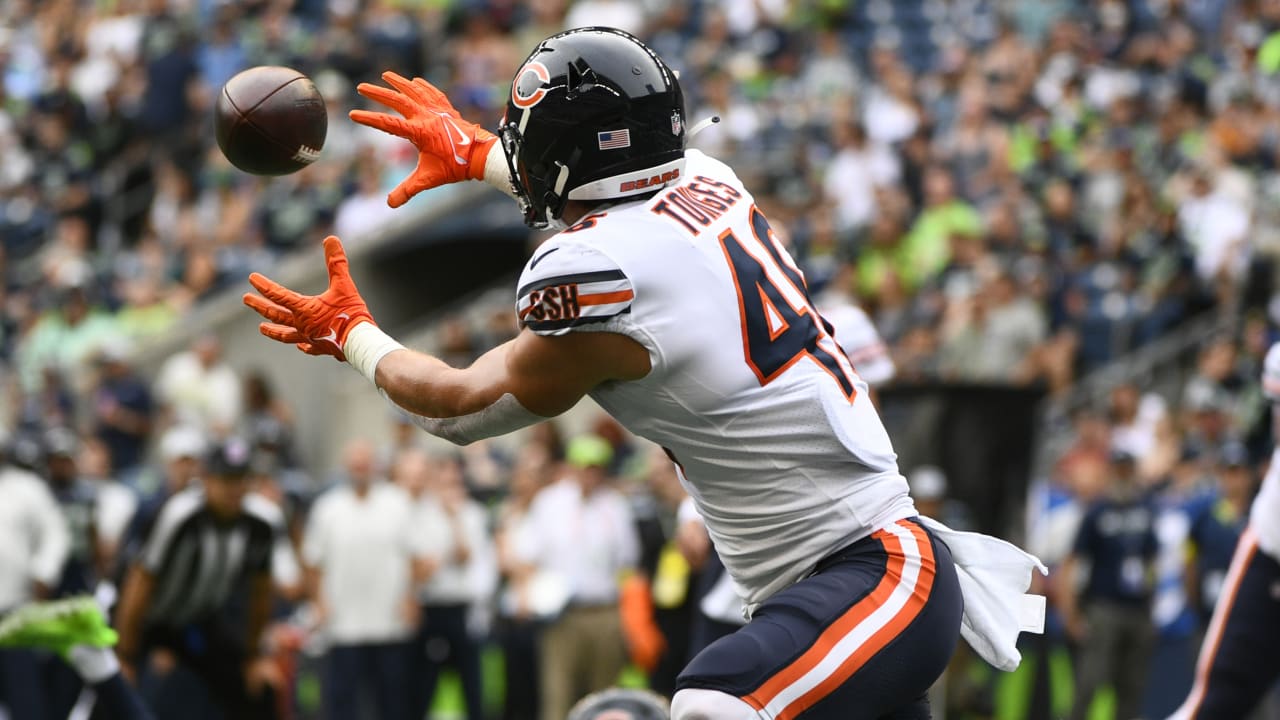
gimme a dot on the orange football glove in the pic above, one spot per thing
(644, 639)
(450, 149)
(317, 324)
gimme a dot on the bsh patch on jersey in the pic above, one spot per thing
(553, 305)
(613, 139)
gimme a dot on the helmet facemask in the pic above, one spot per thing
(541, 198)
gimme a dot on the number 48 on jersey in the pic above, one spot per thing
(780, 325)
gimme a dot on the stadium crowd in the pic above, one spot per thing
(1015, 192)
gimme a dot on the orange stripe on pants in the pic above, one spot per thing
(851, 619)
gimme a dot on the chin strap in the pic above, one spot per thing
(701, 125)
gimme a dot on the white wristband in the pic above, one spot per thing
(366, 346)
(496, 172)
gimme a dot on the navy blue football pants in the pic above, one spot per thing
(862, 638)
(1238, 660)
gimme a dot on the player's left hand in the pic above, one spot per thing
(317, 324)
(450, 149)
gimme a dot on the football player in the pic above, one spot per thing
(1238, 662)
(667, 299)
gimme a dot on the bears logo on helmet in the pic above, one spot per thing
(594, 115)
(529, 86)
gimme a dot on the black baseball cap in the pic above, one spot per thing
(230, 458)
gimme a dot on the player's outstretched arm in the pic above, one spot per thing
(544, 375)
(518, 383)
(450, 149)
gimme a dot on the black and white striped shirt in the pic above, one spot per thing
(199, 560)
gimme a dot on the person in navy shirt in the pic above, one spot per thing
(122, 409)
(1216, 524)
(1110, 617)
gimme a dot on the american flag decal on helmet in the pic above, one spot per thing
(614, 139)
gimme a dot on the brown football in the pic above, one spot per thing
(270, 120)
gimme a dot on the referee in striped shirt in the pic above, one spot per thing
(199, 593)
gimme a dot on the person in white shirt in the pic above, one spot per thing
(359, 550)
(519, 627)
(34, 545)
(856, 335)
(200, 389)
(462, 579)
(857, 170)
(581, 530)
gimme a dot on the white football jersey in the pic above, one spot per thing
(772, 430)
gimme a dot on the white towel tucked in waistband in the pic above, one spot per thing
(994, 577)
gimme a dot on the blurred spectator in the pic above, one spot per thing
(366, 209)
(929, 492)
(997, 333)
(198, 388)
(182, 449)
(1217, 226)
(857, 169)
(482, 62)
(77, 499)
(34, 544)
(1141, 427)
(181, 453)
(1110, 617)
(116, 502)
(518, 627)
(189, 603)
(1215, 528)
(582, 531)
(856, 334)
(121, 409)
(672, 582)
(64, 338)
(1214, 399)
(460, 585)
(610, 13)
(360, 549)
(267, 420)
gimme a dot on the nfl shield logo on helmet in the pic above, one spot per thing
(677, 123)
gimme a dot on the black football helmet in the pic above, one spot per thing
(593, 114)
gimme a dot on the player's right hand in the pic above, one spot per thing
(450, 149)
